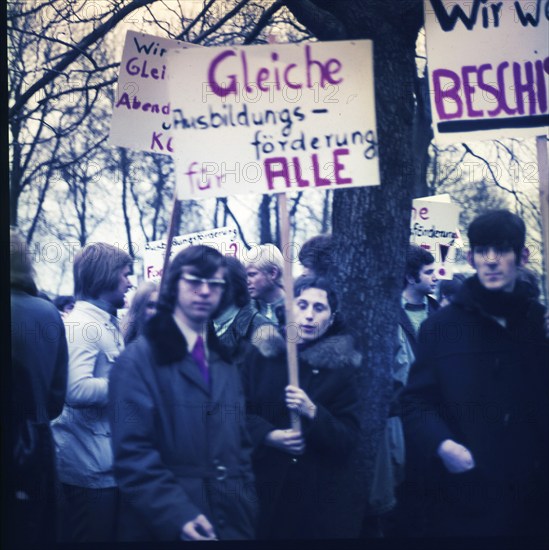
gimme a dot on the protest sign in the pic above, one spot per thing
(223, 239)
(142, 112)
(272, 118)
(488, 68)
(434, 226)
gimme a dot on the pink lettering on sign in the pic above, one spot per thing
(153, 272)
(228, 72)
(291, 172)
(423, 213)
(203, 176)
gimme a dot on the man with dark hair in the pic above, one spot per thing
(82, 433)
(182, 456)
(476, 409)
(420, 282)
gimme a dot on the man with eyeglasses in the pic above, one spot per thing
(181, 451)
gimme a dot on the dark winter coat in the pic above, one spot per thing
(485, 387)
(304, 496)
(180, 449)
(238, 338)
(39, 374)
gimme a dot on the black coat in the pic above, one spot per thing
(304, 496)
(486, 387)
(39, 374)
(180, 449)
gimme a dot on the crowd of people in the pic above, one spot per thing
(179, 421)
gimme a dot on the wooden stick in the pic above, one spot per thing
(291, 347)
(171, 231)
(543, 170)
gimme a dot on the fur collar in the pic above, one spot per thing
(168, 343)
(329, 352)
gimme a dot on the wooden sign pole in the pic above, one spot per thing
(171, 232)
(291, 347)
(543, 170)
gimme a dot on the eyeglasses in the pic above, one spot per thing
(197, 282)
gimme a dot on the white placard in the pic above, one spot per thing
(223, 239)
(273, 118)
(488, 65)
(142, 112)
(434, 226)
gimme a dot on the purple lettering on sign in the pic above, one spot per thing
(226, 75)
(339, 167)
(272, 172)
(449, 92)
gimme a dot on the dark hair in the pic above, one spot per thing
(97, 269)
(448, 288)
(500, 229)
(416, 258)
(205, 260)
(61, 302)
(308, 281)
(134, 321)
(316, 254)
(236, 291)
(21, 268)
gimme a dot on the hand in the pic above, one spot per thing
(298, 400)
(289, 441)
(198, 528)
(455, 457)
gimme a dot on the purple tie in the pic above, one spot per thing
(199, 355)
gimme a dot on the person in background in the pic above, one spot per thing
(39, 376)
(448, 289)
(316, 256)
(238, 324)
(65, 304)
(476, 407)
(183, 461)
(265, 286)
(303, 478)
(143, 307)
(393, 500)
(82, 432)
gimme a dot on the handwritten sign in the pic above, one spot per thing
(223, 239)
(272, 118)
(434, 226)
(488, 68)
(142, 111)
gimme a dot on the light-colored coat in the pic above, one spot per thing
(82, 432)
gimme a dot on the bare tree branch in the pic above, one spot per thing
(72, 55)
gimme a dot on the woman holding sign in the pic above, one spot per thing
(303, 477)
